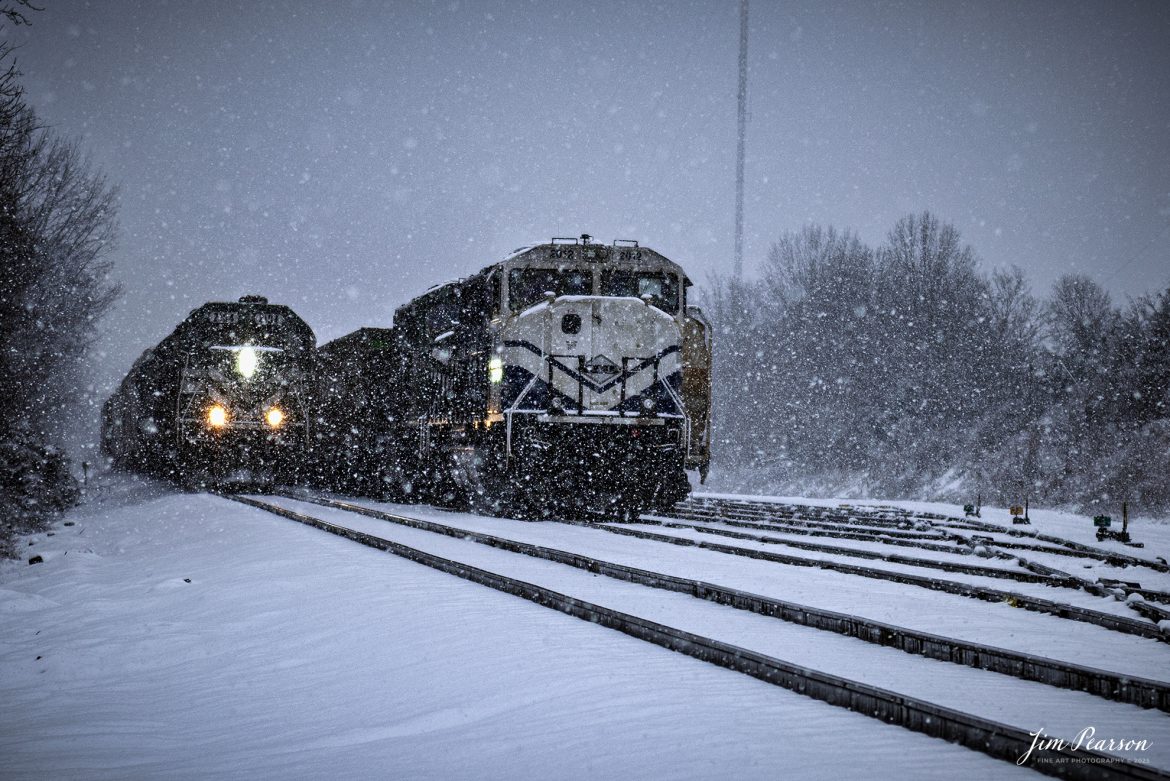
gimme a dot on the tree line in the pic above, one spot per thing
(57, 224)
(905, 370)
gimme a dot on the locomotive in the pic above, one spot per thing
(225, 396)
(570, 375)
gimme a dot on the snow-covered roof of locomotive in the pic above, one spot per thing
(519, 253)
(197, 320)
(452, 281)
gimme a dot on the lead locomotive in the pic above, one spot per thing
(570, 374)
(223, 397)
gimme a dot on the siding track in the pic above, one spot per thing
(990, 737)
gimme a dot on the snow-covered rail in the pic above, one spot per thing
(1029, 572)
(712, 508)
(711, 515)
(1116, 623)
(893, 558)
(988, 736)
(930, 534)
(1137, 691)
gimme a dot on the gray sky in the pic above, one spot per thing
(343, 156)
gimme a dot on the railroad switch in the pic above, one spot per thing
(1103, 522)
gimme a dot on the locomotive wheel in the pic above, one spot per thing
(487, 487)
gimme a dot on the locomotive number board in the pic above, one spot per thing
(237, 317)
(592, 252)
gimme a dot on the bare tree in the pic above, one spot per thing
(57, 223)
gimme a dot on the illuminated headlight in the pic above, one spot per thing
(217, 416)
(496, 370)
(247, 361)
(274, 417)
(649, 405)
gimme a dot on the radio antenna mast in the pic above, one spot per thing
(737, 270)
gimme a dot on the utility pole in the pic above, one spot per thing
(743, 40)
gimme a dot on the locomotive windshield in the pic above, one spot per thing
(527, 286)
(661, 287)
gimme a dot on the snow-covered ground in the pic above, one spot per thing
(186, 636)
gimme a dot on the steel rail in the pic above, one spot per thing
(847, 533)
(791, 521)
(958, 523)
(1041, 572)
(1146, 693)
(765, 521)
(1122, 624)
(947, 566)
(891, 517)
(997, 740)
(815, 529)
(749, 513)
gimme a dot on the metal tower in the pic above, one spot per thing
(743, 40)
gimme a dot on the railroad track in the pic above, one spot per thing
(757, 515)
(988, 736)
(926, 534)
(1036, 572)
(719, 507)
(1123, 624)
(1051, 578)
(926, 537)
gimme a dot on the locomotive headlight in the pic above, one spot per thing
(649, 405)
(247, 361)
(274, 417)
(217, 416)
(496, 371)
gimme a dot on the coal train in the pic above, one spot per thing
(570, 375)
(226, 396)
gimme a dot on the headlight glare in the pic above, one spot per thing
(247, 361)
(217, 416)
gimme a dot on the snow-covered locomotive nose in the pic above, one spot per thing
(596, 354)
(554, 378)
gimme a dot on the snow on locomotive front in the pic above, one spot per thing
(583, 351)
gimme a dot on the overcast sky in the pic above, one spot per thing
(343, 156)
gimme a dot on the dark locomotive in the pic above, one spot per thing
(224, 397)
